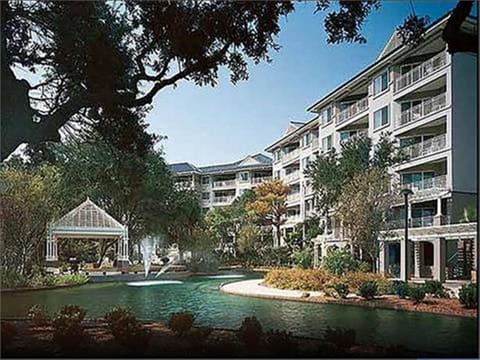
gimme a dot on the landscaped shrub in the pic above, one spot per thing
(364, 267)
(417, 293)
(468, 296)
(38, 315)
(68, 327)
(342, 338)
(354, 279)
(126, 329)
(8, 333)
(399, 288)
(435, 288)
(250, 331)
(281, 343)
(297, 279)
(303, 258)
(181, 322)
(339, 261)
(341, 289)
(368, 289)
(12, 279)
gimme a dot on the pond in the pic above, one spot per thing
(453, 336)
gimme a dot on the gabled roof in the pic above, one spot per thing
(184, 167)
(298, 128)
(87, 215)
(393, 42)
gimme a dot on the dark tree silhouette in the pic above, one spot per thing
(98, 65)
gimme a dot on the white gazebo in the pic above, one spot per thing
(87, 221)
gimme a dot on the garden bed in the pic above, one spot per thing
(31, 341)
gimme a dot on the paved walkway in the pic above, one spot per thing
(254, 288)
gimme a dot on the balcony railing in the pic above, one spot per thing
(308, 189)
(421, 71)
(293, 197)
(259, 180)
(223, 199)
(426, 107)
(437, 182)
(417, 222)
(294, 218)
(352, 110)
(224, 183)
(290, 155)
(315, 142)
(292, 176)
(426, 147)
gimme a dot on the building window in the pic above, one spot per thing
(326, 115)
(305, 162)
(327, 143)
(307, 139)
(276, 155)
(380, 117)
(416, 177)
(205, 196)
(276, 175)
(345, 135)
(205, 180)
(380, 83)
(244, 176)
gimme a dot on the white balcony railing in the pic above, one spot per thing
(352, 110)
(223, 199)
(293, 197)
(224, 183)
(291, 155)
(426, 107)
(259, 180)
(292, 176)
(437, 182)
(421, 71)
(315, 142)
(294, 218)
(308, 189)
(426, 147)
(416, 222)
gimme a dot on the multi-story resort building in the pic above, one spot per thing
(425, 98)
(219, 185)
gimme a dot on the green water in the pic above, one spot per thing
(452, 336)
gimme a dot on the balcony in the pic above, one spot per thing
(259, 180)
(421, 71)
(435, 183)
(223, 200)
(426, 147)
(293, 176)
(293, 197)
(352, 110)
(422, 110)
(291, 155)
(314, 143)
(225, 184)
(308, 189)
(294, 218)
(418, 222)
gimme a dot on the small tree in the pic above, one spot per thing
(270, 204)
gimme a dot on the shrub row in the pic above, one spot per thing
(14, 280)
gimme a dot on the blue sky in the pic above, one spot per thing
(207, 125)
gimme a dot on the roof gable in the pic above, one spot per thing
(292, 126)
(87, 215)
(393, 42)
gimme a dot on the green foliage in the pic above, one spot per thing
(303, 258)
(67, 326)
(250, 331)
(468, 295)
(126, 329)
(181, 322)
(435, 288)
(341, 289)
(469, 215)
(341, 338)
(9, 331)
(339, 261)
(368, 289)
(281, 343)
(297, 279)
(38, 315)
(416, 293)
(399, 288)
(14, 280)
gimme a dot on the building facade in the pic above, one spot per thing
(426, 100)
(219, 185)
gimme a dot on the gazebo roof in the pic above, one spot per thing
(87, 215)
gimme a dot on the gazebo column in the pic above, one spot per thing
(122, 256)
(51, 257)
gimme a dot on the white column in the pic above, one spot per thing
(383, 258)
(418, 256)
(315, 255)
(55, 249)
(439, 259)
(403, 257)
(437, 219)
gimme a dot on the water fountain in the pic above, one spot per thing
(147, 248)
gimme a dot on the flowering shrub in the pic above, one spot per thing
(38, 315)
(341, 289)
(368, 289)
(355, 279)
(339, 261)
(250, 331)
(468, 296)
(297, 279)
(67, 326)
(181, 322)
